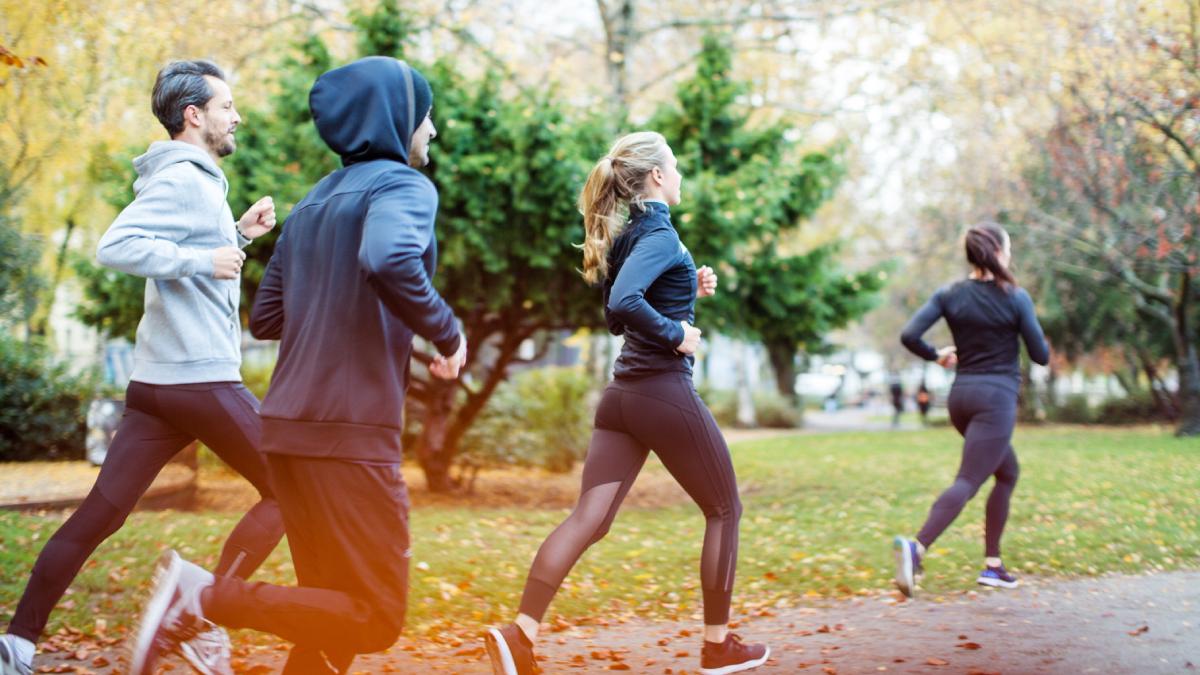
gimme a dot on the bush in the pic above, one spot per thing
(1073, 410)
(540, 418)
(43, 409)
(1137, 408)
(773, 411)
(257, 378)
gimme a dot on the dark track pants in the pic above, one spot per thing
(159, 421)
(347, 527)
(660, 412)
(984, 410)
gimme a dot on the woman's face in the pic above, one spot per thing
(667, 179)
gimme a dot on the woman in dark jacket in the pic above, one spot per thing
(650, 290)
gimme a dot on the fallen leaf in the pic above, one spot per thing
(1139, 630)
(970, 645)
(935, 661)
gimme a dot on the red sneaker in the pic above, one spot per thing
(731, 656)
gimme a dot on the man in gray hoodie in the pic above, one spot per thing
(179, 233)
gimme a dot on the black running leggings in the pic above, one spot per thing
(660, 412)
(159, 421)
(984, 410)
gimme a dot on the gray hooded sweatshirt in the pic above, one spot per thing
(190, 331)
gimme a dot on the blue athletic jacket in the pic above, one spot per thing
(651, 287)
(349, 282)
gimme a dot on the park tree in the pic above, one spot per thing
(1118, 200)
(748, 188)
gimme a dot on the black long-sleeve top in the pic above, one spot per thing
(985, 321)
(651, 287)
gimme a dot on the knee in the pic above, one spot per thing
(1008, 477)
(728, 512)
(381, 632)
(961, 491)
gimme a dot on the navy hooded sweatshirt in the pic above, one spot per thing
(651, 287)
(349, 282)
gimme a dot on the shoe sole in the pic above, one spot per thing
(904, 570)
(8, 661)
(500, 654)
(166, 580)
(738, 667)
(196, 662)
(996, 583)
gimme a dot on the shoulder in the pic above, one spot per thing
(393, 175)
(1021, 297)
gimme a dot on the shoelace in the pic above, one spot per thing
(208, 644)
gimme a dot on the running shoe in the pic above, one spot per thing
(908, 565)
(511, 651)
(10, 663)
(172, 614)
(731, 656)
(209, 653)
(997, 577)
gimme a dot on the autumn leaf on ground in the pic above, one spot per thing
(970, 645)
(935, 661)
(1139, 630)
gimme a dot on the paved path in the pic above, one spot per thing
(1112, 624)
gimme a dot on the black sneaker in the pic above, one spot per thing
(997, 577)
(908, 565)
(511, 651)
(731, 656)
(172, 614)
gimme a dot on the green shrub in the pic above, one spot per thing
(722, 403)
(43, 408)
(1073, 410)
(773, 411)
(1137, 408)
(540, 418)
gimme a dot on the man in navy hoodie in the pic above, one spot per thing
(347, 287)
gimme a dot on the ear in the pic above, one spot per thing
(658, 176)
(191, 116)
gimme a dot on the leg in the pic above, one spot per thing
(142, 445)
(224, 416)
(350, 551)
(670, 417)
(997, 504)
(613, 461)
(987, 422)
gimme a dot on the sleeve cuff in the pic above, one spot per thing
(449, 347)
(203, 262)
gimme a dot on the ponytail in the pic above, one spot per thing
(613, 183)
(983, 243)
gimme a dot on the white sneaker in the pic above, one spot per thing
(209, 653)
(172, 614)
(10, 662)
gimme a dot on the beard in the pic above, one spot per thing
(221, 143)
(418, 157)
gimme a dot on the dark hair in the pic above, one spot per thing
(984, 243)
(178, 85)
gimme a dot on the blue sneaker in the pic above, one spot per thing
(997, 577)
(908, 565)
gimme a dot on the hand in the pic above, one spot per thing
(691, 339)
(258, 219)
(227, 262)
(447, 368)
(706, 282)
(947, 357)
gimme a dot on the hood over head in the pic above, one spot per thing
(369, 109)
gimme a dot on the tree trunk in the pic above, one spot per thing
(619, 37)
(1187, 363)
(433, 453)
(783, 363)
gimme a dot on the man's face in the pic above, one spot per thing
(220, 119)
(418, 152)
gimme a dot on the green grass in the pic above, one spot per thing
(819, 514)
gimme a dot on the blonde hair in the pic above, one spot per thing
(613, 184)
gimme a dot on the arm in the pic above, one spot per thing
(397, 231)
(1031, 330)
(925, 317)
(143, 240)
(266, 316)
(652, 255)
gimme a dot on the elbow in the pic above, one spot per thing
(1042, 359)
(620, 309)
(910, 341)
(106, 254)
